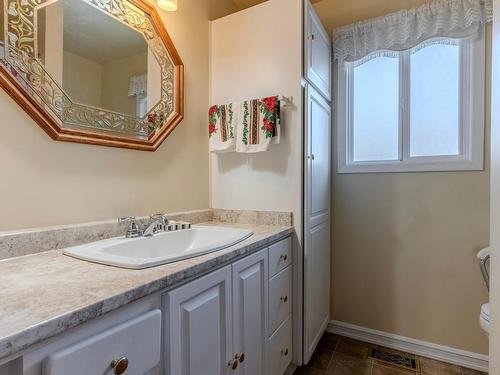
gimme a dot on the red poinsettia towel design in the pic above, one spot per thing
(259, 126)
(212, 119)
(269, 107)
(221, 127)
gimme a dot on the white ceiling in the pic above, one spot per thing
(93, 34)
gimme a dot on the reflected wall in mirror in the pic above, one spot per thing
(93, 71)
(2, 28)
(100, 61)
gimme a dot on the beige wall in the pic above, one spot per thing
(106, 85)
(116, 81)
(404, 244)
(53, 43)
(45, 182)
(82, 79)
(154, 80)
(237, 46)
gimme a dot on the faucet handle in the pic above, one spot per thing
(133, 229)
(160, 216)
(126, 219)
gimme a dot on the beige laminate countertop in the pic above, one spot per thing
(44, 294)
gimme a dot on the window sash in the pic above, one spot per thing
(471, 118)
(350, 120)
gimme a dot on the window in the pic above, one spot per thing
(375, 128)
(415, 110)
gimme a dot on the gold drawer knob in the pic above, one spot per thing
(240, 357)
(284, 352)
(120, 365)
(284, 298)
(284, 257)
(233, 364)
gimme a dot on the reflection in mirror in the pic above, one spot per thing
(93, 71)
(1, 29)
(97, 60)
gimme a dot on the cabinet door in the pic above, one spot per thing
(133, 331)
(137, 340)
(318, 53)
(199, 331)
(250, 290)
(316, 221)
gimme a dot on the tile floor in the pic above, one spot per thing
(337, 355)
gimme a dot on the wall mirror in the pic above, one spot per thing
(92, 71)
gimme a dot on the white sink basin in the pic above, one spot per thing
(162, 248)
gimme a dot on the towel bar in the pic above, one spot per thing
(287, 101)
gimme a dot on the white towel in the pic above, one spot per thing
(222, 120)
(259, 125)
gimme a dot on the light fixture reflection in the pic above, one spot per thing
(168, 5)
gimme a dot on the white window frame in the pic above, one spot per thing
(472, 87)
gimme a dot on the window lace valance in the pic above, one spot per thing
(408, 28)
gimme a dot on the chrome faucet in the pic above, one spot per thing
(159, 222)
(133, 230)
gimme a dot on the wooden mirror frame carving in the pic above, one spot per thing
(22, 75)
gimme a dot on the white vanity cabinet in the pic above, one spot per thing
(217, 324)
(235, 320)
(220, 323)
(317, 52)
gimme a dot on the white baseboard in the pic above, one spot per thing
(425, 349)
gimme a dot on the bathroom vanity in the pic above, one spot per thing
(224, 312)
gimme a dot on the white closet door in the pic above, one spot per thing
(250, 289)
(317, 52)
(200, 326)
(316, 219)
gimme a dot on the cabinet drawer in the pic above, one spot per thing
(280, 348)
(280, 301)
(137, 339)
(280, 256)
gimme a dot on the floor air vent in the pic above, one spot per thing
(395, 359)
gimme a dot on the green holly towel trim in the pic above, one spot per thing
(231, 127)
(246, 113)
(213, 115)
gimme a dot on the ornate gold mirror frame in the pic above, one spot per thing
(24, 78)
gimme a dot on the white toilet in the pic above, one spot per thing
(484, 316)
